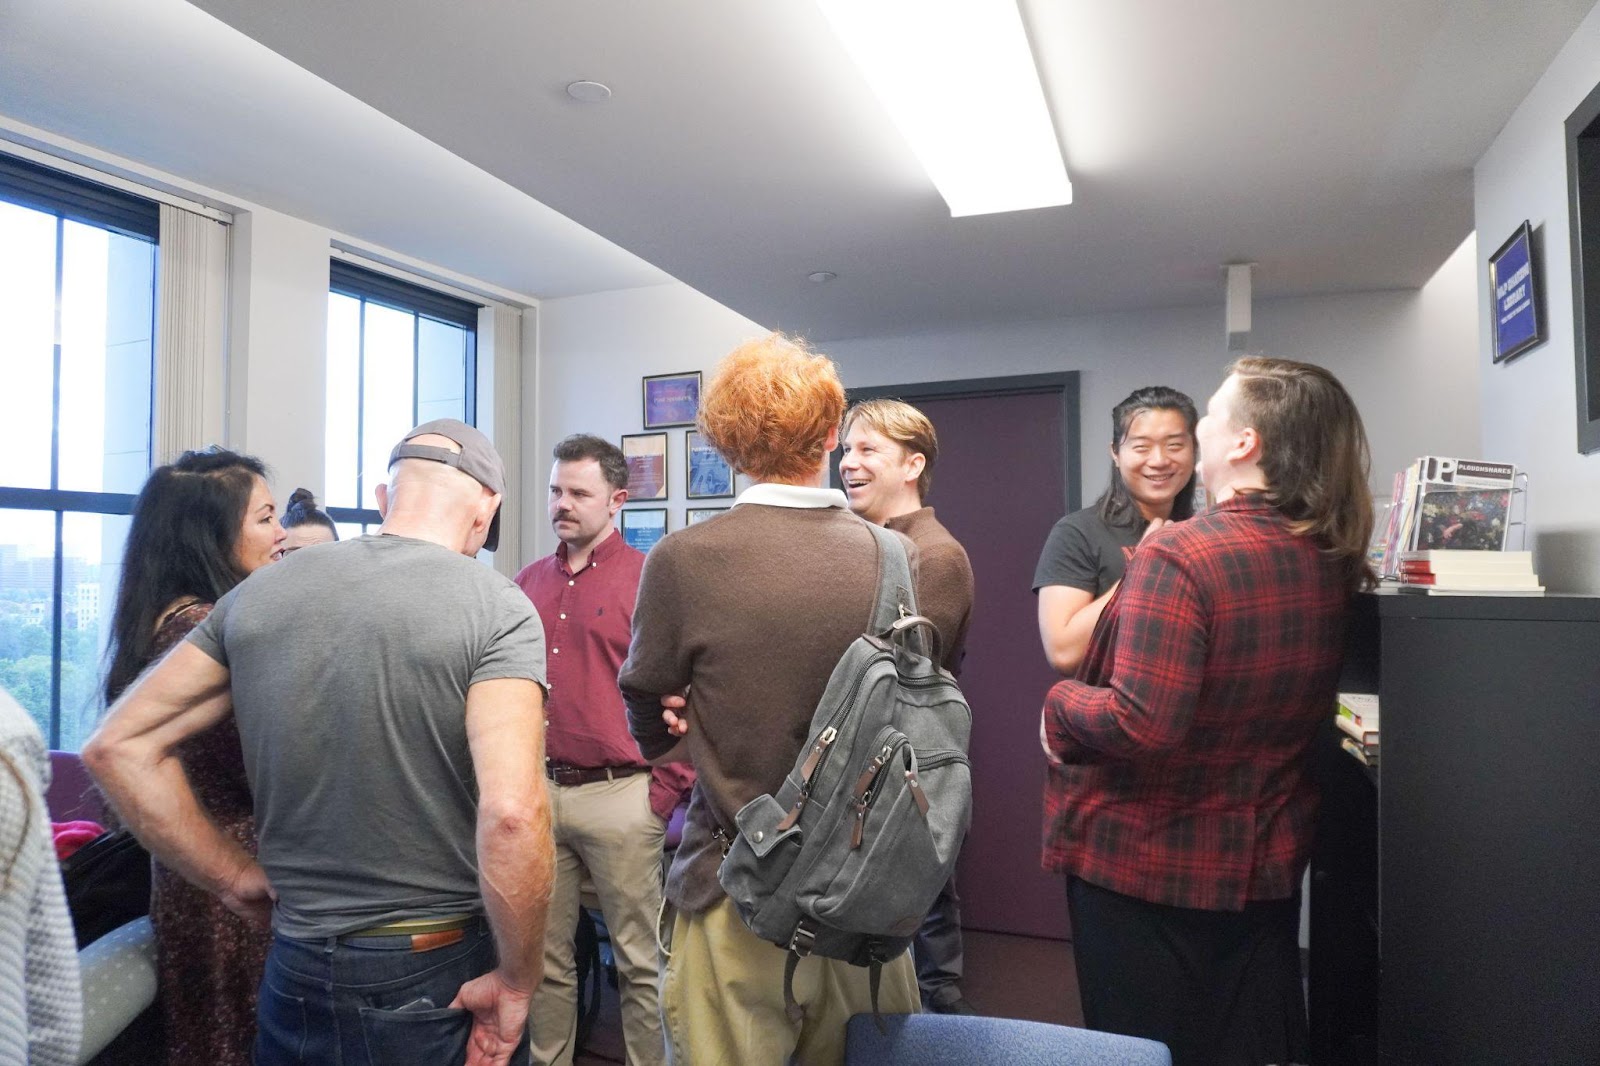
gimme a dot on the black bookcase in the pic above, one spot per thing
(1455, 898)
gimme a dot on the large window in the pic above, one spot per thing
(398, 355)
(77, 322)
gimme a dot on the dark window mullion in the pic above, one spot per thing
(56, 613)
(55, 636)
(361, 399)
(55, 356)
(470, 370)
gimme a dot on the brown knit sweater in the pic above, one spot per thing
(944, 582)
(753, 610)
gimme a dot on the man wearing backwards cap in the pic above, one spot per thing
(389, 696)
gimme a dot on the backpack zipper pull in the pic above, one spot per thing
(914, 785)
(916, 792)
(863, 790)
(825, 738)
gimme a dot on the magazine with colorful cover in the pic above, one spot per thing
(1444, 503)
(1462, 504)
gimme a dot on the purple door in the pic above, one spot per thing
(999, 485)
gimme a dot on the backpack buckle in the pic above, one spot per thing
(803, 940)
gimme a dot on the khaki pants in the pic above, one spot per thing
(608, 829)
(722, 996)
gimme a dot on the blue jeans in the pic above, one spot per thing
(370, 1001)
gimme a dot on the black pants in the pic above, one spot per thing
(1219, 988)
(937, 949)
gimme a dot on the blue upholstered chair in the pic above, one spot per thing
(958, 1040)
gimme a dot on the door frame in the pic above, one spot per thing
(1063, 383)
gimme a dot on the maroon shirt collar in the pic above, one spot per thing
(602, 551)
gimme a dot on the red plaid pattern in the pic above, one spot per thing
(1185, 735)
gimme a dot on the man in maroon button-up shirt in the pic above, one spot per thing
(609, 810)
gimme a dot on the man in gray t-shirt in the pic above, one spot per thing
(388, 694)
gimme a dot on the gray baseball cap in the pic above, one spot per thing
(477, 458)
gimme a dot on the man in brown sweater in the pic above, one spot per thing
(887, 470)
(749, 612)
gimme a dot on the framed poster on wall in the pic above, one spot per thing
(643, 527)
(671, 399)
(646, 454)
(1515, 281)
(709, 475)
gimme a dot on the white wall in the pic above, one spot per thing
(1406, 357)
(593, 352)
(1530, 403)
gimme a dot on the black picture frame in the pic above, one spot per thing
(643, 527)
(647, 479)
(1516, 295)
(1583, 217)
(671, 399)
(707, 475)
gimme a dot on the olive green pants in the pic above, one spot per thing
(722, 997)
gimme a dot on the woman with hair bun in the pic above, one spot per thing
(306, 523)
(201, 525)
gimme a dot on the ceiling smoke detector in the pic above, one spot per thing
(589, 92)
(821, 276)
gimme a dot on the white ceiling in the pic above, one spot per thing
(1330, 141)
(163, 84)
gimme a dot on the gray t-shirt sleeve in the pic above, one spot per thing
(207, 636)
(516, 648)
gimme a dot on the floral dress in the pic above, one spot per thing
(209, 960)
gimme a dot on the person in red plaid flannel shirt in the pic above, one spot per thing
(1179, 803)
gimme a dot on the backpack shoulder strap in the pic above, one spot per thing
(894, 581)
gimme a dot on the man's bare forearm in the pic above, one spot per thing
(154, 800)
(516, 870)
(133, 757)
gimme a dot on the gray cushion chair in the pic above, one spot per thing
(959, 1040)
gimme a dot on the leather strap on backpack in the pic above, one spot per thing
(799, 948)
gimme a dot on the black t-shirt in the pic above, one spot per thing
(1082, 552)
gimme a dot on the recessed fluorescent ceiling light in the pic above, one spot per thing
(958, 78)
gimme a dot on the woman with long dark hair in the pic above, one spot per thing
(200, 526)
(1152, 483)
(306, 523)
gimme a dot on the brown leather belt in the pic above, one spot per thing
(587, 775)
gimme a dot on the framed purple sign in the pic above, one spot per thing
(1514, 280)
(671, 399)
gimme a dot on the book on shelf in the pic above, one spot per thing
(1451, 590)
(1360, 752)
(1359, 707)
(1442, 503)
(1467, 582)
(1440, 562)
(1364, 735)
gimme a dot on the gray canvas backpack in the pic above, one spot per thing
(845, 860)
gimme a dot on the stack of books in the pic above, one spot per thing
(1358, 718)
(1443, 572)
